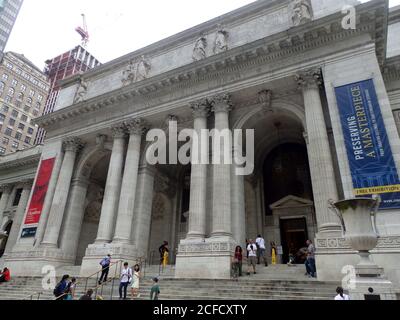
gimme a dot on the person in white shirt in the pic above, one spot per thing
(341, 295)
(261, 250)
(251, 260)
(125, 279)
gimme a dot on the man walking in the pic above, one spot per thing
(251, 261)
(105, 267)
(310, 261)
(261, 250)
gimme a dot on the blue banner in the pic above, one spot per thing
(372, 166)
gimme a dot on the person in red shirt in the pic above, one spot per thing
(238, 258)
(5, 275)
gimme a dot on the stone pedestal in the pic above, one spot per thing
(96, 252)
(208, 259)
(372, 289)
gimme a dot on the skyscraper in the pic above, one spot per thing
(71, 62)
(9, 10)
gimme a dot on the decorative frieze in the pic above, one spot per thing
(212, 247)
(388, 242)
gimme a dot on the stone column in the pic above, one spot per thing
(19, 216)
(51, 236)
(319, 153)
(126, 206)
(113, 187)
(221, 106)
(5, 196)
(142, 218)
(238, 208)
(198, 179)
(74, 217)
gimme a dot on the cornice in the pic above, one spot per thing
(316, 34)
(34, 159)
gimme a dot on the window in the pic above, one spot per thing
(17, 197)
(29, 101)
(27, 108)
(14, 83)
(5, 76)
(14, 113)
(18, 71)
(21, 126)
(28, 140)
(35, 112)
(32, 93)
(9, 66)
(40, 97)
(8, 132)
(30, 130)
(6, 141)
(8, 99)
(15, 145)
(11, 122)
(2, 150)
(18, 135)
(5, 108)
(2, 117)
(23, 88)
(2, 85)
(24, 118)
(11, 91)
(20, 96)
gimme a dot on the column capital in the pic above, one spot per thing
(200, 108)
(309, 79)
(137, 126)
(26, 184)
(221, 103)
(73, 144)
(118, 131)
(7, 188)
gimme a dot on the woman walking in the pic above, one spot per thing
(238, 259)
(273, 253)
(135, 282)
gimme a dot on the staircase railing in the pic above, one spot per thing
(31, 296)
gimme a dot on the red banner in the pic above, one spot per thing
(39, 192)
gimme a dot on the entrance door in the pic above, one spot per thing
(293, 236)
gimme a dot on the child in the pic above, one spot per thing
(155, 290)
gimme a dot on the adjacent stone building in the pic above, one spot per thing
(23, 93)
(276, 67)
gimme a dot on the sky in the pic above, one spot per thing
(46, 28)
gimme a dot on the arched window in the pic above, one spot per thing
(20, 96)
(11, 91)
(2, 85)
(29, 101)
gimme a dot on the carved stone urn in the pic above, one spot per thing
(358, 217)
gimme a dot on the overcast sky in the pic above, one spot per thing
(46, 28)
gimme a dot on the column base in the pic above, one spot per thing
(30, 262)
(372, 289)
(96, 252)
(208, 259)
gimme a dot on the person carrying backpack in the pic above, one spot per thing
(105, 267)
(61, 288)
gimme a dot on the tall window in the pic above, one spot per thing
(23, 87)
(32, 93)
(5, 76)
(20, 96)
(29, 101)
(14, 83)
(11, 91)
(2, 85)
(18, 135)
(2, 150)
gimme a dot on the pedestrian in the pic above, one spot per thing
(273, 253)
(87, 296)
(310, 260)
(5, 276)
(261, 250)
(341, 295)
(61, 288)
(105, 267)
(135, 282)
(125, 279)
(252, 259)
(155, 290)
(238, 259)
(71, 290)
(163, 250)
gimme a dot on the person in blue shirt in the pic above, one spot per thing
(61, 288)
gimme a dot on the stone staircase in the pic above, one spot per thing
(272, 283)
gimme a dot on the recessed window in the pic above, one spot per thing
(5, 108)
(2, 117)
(18, 135)
(23, 87)
(28, 140)
(35, 112)
(6, 141)
(27, 108)
(8, 99)
(11, 91)
(29, 101)
(14, 83)
(24, 118)
(32, 93)
(14, 113)
(11, 122)
(2, 150)
(2, 85)
(5, 76)
(21, 126)
(15, 145)
(30, 130)
(20, 96)
(8, 132)
(40, 97)
(9, 66)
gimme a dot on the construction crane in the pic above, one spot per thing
(83, 32)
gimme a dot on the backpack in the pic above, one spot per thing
(57, 292)
(104, 262)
